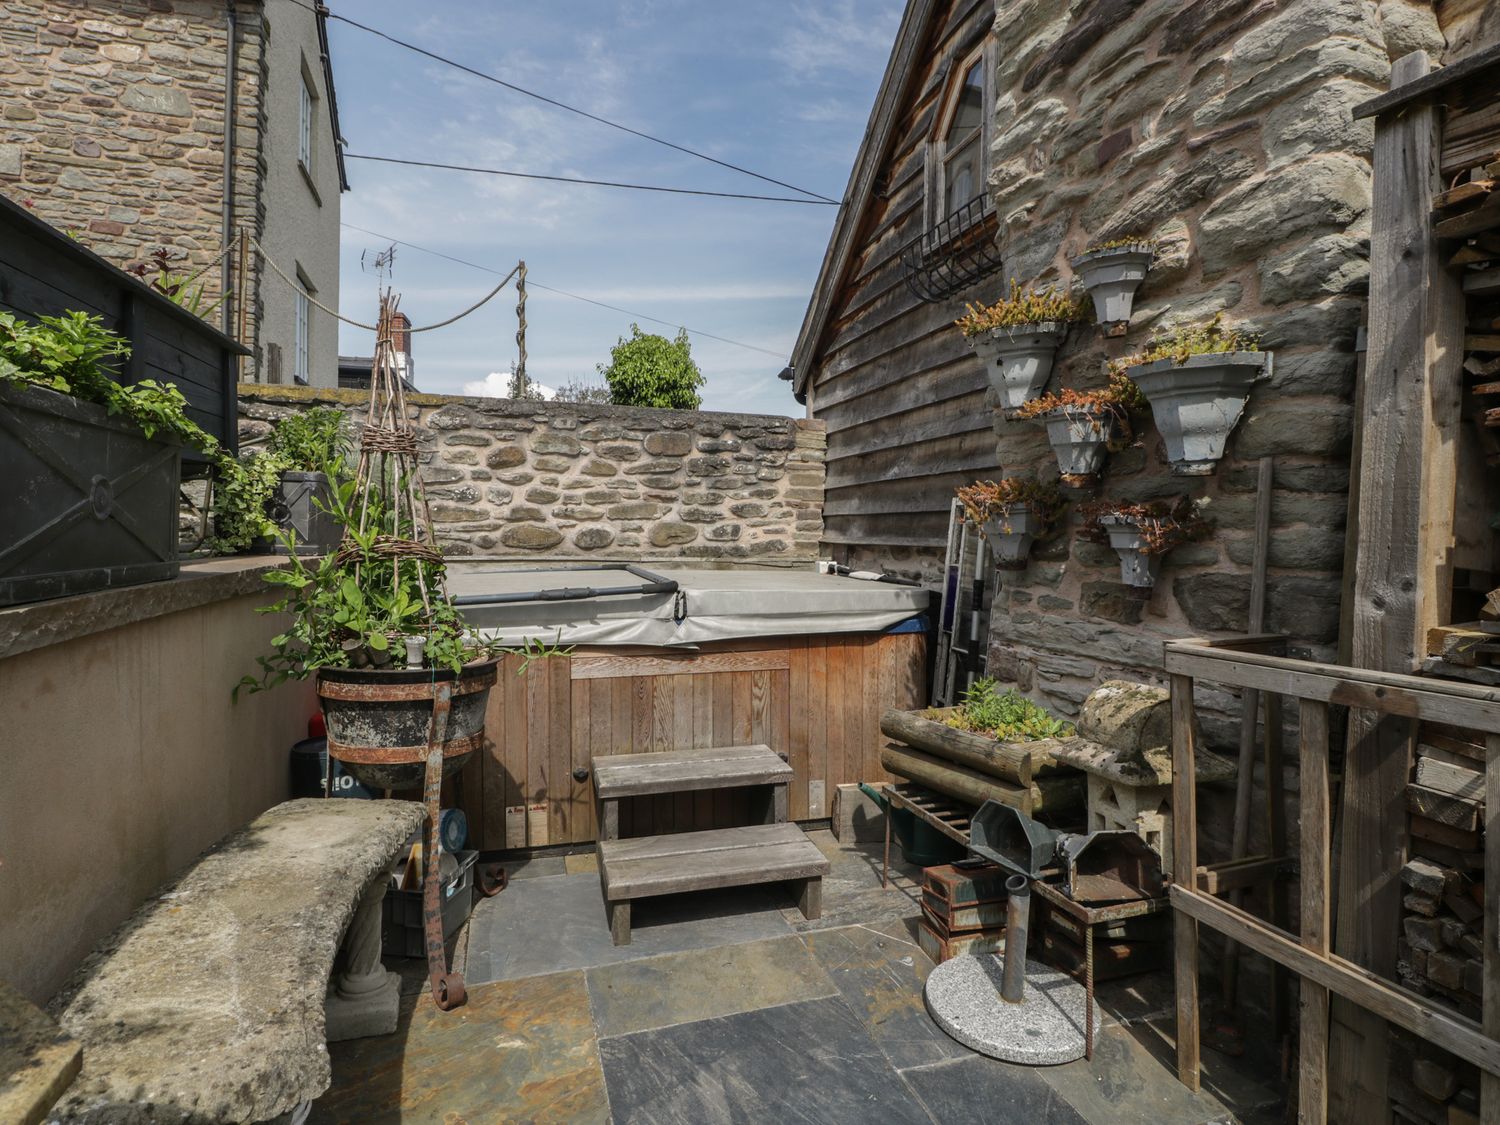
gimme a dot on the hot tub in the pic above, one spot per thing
(677, 658)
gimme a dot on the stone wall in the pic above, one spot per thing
(510, 479)
(1223, 128)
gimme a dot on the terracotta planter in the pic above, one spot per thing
(1019, 360)
(1198, 403)
(1010, 536)
(1078, 439)
(1111, 277)
(1137, 569)
(379, 720)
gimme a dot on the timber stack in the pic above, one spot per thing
(1442, 929)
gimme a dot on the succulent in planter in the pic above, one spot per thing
(1141, 534)
(1111, 272)
(1083, 425)
(1017, 338)
(1012, 514)
(1197, 380)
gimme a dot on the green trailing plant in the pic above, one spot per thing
(1181, 344)
(1023, 306)
(1004, 715)
(76, 355)
(650, 370)
(310, 441)
(985, 500)
(1162, 524)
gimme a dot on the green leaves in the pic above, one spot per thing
(649, 370)
(1006, 715)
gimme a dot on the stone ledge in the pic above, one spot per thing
(24, 628)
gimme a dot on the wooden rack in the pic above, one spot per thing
(1317, 687)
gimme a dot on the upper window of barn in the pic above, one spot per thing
(959, 168)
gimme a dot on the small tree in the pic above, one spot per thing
(649, 370)
(576, 390)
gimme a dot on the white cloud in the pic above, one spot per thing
(497, 385)
(837, 35)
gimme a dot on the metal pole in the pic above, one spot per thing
(521, 329)
(1017, 915)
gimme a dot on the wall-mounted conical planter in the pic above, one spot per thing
(1010, 536)
(1111, 277)
(1079, 438)
(1019, 359)
(1137, 569)
(1196, 404)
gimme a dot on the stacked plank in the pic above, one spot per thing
(963, 911)
(1428, 1086)
(1469, 650)
(974, 768)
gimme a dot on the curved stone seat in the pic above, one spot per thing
(208, 1003)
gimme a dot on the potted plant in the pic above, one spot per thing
(90, 467)
(1141, 534)
(1011, 514)
(1111, 272)
(1081, 425)
(1017, 338)
(1197, 381)
(280, 499)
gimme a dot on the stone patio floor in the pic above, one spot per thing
(731, 1007)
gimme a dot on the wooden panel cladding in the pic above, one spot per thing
(817, 700)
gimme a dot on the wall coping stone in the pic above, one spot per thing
(25, 628)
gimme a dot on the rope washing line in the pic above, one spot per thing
(261, 250)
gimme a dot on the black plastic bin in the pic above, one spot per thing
(88, 501)
(401, 930)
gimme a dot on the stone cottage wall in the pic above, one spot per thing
(1223, 129)
(512, 479)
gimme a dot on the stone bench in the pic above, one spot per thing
(209, 1003)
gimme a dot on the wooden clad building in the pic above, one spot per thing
(903, 396)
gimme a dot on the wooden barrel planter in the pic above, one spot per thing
(975, 768)
(379, 721)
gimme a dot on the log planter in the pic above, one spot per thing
(88, 500)
(1197, 403)
(1079, 440)
(974, 768)
(1010, 536)
(1019, 359)
(379, 721)
(1111, 277)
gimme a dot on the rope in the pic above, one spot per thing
(277, 270)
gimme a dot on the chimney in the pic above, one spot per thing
(401, 333)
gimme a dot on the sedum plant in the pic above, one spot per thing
(987, 499)
(1181, 344)
(1118, 398)
(1162, 524)
(1004, 715)
(1125, 242)
(1023, 306)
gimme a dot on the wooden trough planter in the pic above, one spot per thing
(974, 768)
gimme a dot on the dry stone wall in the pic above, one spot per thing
(1222, 128)
(512, 479)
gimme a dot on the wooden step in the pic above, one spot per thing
(700, 861)
(677, 771)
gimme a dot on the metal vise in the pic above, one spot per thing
(1098, 867)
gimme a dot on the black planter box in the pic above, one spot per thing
(301, 508)
(87, 500)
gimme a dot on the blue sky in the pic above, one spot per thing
(782, 88)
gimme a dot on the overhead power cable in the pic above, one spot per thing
(564, 293)
(559, 104)
(576, 180)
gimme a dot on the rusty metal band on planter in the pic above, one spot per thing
(471, 681)
(401, 755)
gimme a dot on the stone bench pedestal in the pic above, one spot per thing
(365, 997)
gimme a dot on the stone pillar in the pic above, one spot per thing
(365, 997)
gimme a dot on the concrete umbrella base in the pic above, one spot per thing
(1046, 1028)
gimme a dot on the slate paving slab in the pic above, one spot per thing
(880, 977)
(811, 1062)
(558, 923)
(704, 983)
(981, 1091)
(517, 1051)
(851, 890)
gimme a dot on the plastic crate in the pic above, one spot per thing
(401, 930)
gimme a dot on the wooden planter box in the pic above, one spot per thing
(975, 768)
(88, 502)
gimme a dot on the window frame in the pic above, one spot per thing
(302, 330)
(307, 101)
(935, 202)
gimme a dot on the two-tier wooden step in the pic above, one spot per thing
(697, 861)
(701, 861)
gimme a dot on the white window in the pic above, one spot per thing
(305, 125)
(300, 361)
(957, 153)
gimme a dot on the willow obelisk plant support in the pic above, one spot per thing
(403, 686)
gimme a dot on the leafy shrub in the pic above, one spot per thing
(650, 370)
(1006, 715)
(1023, 306)
(311, 441)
